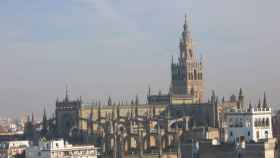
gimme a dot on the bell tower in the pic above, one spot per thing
(187, 74)
(67, 113)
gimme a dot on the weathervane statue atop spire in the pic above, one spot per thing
(186, 34)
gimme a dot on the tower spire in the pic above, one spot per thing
(186, 27)
(66, 92)
(184, 78)
(32, 118)
(44, 130)
(185, 23)
(240, 98)
(149, 92)
(136, 99)
(109, 101)
(250, 105)
(264, 100)
(240, 92)
(259, 104)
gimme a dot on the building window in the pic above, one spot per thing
(263, 122)
(257, 122)
(230, 122)
(266, 134)
(249, 134)
(231, 134)
(267, 122)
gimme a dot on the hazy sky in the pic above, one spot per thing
(119, 47)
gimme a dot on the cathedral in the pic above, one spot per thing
(166, 122)
(157, 127)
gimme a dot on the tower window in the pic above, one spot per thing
(195, 75)
(200, 76)
(190, 51)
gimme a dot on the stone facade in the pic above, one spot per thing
(60, 149)
(13, 148)
(141, 129)
(97, 112)
(233, 103)
(251, 125)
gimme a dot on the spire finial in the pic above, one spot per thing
(259, 104)
(109, 101)
(240, 92)
(149, 90)
(136, 99)
(32, 118)
(213, 97)
(66, 92)
(186, 16)
(186, 23)
(250, 104)
(264, 100)
(44, 113)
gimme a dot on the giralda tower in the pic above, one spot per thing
(187, 73)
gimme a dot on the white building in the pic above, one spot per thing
(60, 149)
(251, 125)
(11, 148)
